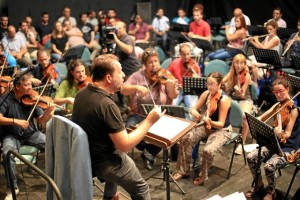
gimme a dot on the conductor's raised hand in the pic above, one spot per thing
(155, 114)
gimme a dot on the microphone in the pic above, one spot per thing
(29, 69)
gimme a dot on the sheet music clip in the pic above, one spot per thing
(194, 86)
(233, 52)
(73, 53)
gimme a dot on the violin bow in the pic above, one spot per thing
(5, 59)
(37, 101)
(149, 91)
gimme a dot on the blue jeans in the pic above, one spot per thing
(220, 54)
(188, 100)
(121, 170)
(11, 143)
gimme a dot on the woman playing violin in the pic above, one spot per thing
(16, 126)
(216, 128)
(44, 69)
(184, 66)
(287, 132)
(76, 79)
(238, 81)
(162, 88)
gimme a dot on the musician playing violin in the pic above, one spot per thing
(215, 126)
(17, 129)
(184, 66)
(76, 79)
(163, 90)
(238, 82)
(287, 130)
(45, 69)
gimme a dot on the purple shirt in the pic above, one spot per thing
(141, 33)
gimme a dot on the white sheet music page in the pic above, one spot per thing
(168, 127)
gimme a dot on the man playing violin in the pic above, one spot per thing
(184, 66)
(287, 130)
(163, 92)
(76, 79)
(17, 129)
(216, 128)
(44, 70)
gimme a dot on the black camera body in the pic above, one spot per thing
(107, 40)
(107, 32)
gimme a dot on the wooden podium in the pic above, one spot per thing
(164, 134)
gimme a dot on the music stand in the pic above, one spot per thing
(176, 27)
(285, 33)
(194, 86)
(73, 53)
(175, 111)
(256, 30)
(48, 90)
(233, 52)
(205, 46)
(8, 71)
(264, 136)
(294, 80)
(215, 24)
(296, 62)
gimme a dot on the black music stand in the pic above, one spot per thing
(176, 27)
(233, 52)
(205, 46)
(8, 71)
(264, 135)
(194, 86)
(295, 82)
(285, 33)
(256, 30)
(48, 90)
(165, 167)
(296, 62)
(215, 24)
(73, 53)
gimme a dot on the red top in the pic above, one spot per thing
(201, 29)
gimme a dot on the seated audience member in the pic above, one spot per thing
(89, 35)
(235, 39)
(16, 128)
(199, 28)
(28, 19)
(184, 66)
(182, 18)
(92, 19)
(3, 26)
(111, 13)
(136, 87)
(75, 36)
(75, 80)
(59, 41)
(108, 139)
(294, 42)
(160, 25)
(139, 30)
(288, 135)
(16, 47)
(238, 82)
(67, 15)
(44, 70)
(216, 128)
(44, 28)
(271, 41)
(277, 17)
(236, 13)
(29, 39)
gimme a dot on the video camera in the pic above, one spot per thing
(107, 40)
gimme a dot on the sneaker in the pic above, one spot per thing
(9, 194)
(239, 150)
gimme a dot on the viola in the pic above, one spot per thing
(243, 76)
(5, 81)
(49, 71)
(191, 66)
(161, 76)
(43, 102)
(211, 106)
(84, 83)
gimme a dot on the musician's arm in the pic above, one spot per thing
(267, 114)
(236, 35)
(13, 121)
(246, 85)
(196, 108)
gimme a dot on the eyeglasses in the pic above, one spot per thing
(211, 83)
(278, 91)
(151, 52)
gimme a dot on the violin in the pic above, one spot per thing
(211, 106)
(242, 76)
(43, 102)
(283, 117)
(161, 76)
(191, 66)
(50, 71)
(3, 60)
(84, 83)
(5, 81)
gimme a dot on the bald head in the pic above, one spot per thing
(237, 12)
(11, 30)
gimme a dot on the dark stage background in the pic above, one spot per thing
(258, 10)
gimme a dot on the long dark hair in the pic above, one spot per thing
(71, 67)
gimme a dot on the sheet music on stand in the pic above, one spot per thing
(268, 56)
(8, 71)
(175, 111)
(263, 134)
(256, 30)
(194, 86)
(48, 90)
(73, 53)
(296, 62)
(233, 52)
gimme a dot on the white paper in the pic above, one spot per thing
(168, 127)
(216, 197)
(235, 196)
(250, 147)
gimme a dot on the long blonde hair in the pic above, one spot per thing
(232, 77)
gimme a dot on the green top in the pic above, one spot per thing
(65, 91)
